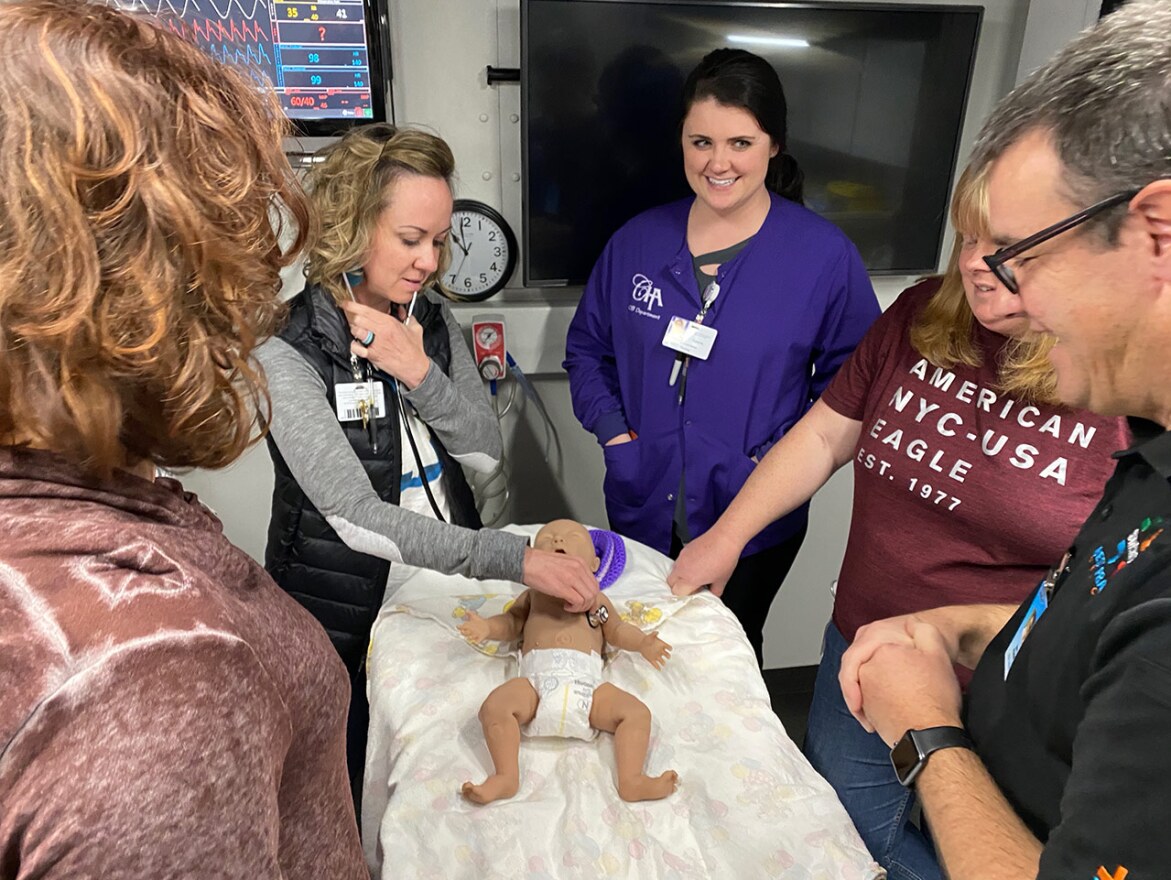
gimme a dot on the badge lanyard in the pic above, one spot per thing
(363, 375)
(1038, 605)
(682, 360)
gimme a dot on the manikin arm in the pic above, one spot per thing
(629, 637)
(504, 627)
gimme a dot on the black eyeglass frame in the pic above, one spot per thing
(997, 262)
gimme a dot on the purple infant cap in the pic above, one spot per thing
(611, 550)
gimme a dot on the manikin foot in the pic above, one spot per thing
(495, 787)
(646, 788)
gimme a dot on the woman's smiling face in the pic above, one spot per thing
(725, 155)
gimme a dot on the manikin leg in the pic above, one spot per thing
(506, 709)
(628, 718)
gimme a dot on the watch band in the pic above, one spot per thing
(911, 752)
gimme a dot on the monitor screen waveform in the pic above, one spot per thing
(316, 56)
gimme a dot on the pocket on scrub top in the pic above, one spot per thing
(621, 483)
(726, 478)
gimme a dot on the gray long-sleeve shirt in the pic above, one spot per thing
(314, 446)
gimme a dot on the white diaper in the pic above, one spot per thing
(565, 681)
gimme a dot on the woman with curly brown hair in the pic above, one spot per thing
(377, 404)
(969, 479)
(165, 709)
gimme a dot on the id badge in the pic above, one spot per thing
(1036, 608)
(349, 396)
(689, 337)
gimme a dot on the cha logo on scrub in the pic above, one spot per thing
(645, 293)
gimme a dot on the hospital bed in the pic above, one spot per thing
(747, 806)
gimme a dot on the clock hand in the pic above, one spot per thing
(459, 269)
(460, 243)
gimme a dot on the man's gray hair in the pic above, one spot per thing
(1105, 100)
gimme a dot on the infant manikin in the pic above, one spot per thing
(560, 691)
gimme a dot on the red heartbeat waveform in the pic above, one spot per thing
(215, 30)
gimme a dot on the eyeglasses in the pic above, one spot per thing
(998, 262)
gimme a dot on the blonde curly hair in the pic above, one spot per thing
(143, 198)
(944, 331)
(352, 182)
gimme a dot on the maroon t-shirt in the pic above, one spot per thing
(962, 494)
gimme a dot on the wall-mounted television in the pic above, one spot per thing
(326, 61)
(876, 96)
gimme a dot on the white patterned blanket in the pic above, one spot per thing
(748, 805)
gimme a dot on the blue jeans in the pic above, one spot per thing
(857, 764)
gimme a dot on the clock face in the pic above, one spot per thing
(483, 251)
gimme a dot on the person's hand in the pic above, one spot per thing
(910, 687)
(475, 628)
(869, 638)
(397, 347)
(655, 650)
(619, 439)
(561, 575)
(707, 560)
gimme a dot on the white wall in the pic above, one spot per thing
(1050, 25)
(441, 49)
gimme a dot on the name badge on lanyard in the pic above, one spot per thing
(1037, 607)
(353, 398)
(690, 337)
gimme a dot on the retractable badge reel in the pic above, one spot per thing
(364, 398)
(690, 339)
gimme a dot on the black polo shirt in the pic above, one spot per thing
(1077, 732)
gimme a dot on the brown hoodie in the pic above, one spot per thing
(165, 709)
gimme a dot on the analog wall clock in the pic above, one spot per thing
(483, 251)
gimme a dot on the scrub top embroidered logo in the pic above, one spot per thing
(645, 294)
(1107, 562)
(1103, 874)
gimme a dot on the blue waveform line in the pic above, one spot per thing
(250, 55)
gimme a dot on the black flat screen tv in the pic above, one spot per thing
(876, 96)
(326, 61)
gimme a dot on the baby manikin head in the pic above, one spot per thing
(569, 537)
(604, 552)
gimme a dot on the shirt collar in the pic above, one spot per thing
(1152, 442)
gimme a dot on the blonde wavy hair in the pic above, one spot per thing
(352, 182)
(142, 187)
(944, 331)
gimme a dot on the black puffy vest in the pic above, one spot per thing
(342, 588)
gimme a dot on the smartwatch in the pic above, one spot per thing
(910, 753)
